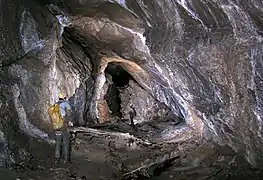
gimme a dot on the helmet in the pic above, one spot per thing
(60, 96)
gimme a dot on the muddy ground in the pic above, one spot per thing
(101, 153)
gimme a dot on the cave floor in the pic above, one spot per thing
(103, 154)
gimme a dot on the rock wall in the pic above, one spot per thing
(202, 59)
(37, 63)
(145, 106)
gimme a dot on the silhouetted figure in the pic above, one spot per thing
(132, 114)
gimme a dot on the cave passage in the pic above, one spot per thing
(120, 79)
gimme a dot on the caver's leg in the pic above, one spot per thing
(66, 146)
(58, 137)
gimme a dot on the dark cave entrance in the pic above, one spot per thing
(120, 79)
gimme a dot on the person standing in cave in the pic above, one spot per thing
(132, 114)
(62, 135)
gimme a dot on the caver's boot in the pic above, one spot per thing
(65, 161)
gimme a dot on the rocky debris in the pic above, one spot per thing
(198, 61)
(148, 166)
(92, 158)
(119, 139)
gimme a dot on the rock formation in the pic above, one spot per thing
(193, 62)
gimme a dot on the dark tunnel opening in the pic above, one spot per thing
(120, 79)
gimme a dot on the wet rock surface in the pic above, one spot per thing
(168, 71)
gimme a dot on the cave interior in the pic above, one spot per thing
(120, 80)
(159, 89)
